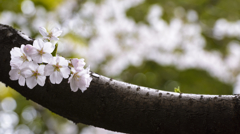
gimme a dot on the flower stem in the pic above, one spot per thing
(54, 53)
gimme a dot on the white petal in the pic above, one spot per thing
(82, 82)
(16, 62)
(73, 85)
(88, 69)
(63, 61)
(29, 58)
(73, 70)
(43, 31)
(41, 69)
(88, 80)
(21, 80)
(25, 64)
(65, 72)
(53, 62)
(83, 89)
(40, 43)
(26, 72)
(55, 29)
(48, 70)
(33, 66)
(46, 58)
(82, 72)
(14, 66)
(31, 82)
(21, 48)
(70, 78)
(15, 52)
(30, 50)
(24, 53)
(81, 62)
(14, 74)
(37, 58)
(78, 64)
(36, 44)
(58, 59)
(53, 38)
(41, 80)
(46, 38)
(75, 61)
(48, 47)
(56, 32)
(54, 77)
(59, 77)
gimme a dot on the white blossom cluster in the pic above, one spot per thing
(31, 64)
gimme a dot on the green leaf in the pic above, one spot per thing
(54, 53)
(177, 90)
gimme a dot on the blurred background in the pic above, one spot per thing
(158, 44)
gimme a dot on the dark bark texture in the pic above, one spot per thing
(124, 107)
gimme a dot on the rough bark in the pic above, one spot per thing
(124, 107)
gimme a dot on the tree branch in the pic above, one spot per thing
(124, 107)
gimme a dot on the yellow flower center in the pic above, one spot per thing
(57, 67)
(41, 52)
(24, 57)
(36, 73)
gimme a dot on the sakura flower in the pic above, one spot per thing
(34, 75)
(40, 51)
(57, 69)
(52, 35)
(79, 79)
(16, 73)
(18, 57)
(78, 64)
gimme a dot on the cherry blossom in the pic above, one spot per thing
(16, 73)
(18, 57)
(80, 79)
(34, 75)
(52, 35)
(78, 64)
(40, 51)
(31, 64)
(57, 69)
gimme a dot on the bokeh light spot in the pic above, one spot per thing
(8, 104)
(29, 114)
(28, 7)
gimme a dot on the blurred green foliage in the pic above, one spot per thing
(209, 11)
(74, 38)
(10, 5)
(48, 4)
(15, 5)
(220, 45)
(151, 74)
